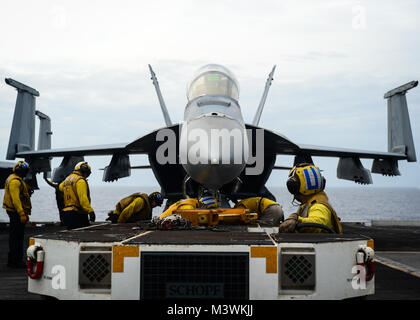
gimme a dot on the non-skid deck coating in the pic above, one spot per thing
(394, 279)
(221, 235)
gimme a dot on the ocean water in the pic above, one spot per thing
(355, 204)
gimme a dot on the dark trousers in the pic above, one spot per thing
(74, 219)
(16, 238)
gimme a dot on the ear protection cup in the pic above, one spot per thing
(324, 181)
(293, 185)
(83, 167)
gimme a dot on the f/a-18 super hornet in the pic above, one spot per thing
(213, 149)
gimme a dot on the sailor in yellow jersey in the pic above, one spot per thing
(77, 208)
(269, 211)
(17, 203)
(135, 207)
(206, 201)
(306, 183)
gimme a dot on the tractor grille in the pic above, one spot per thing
(298, 270)
(194, 275)
(95, 270)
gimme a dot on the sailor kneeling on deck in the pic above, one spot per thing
(77, 209)
(269, 211)
(137, 206)
(307, 185)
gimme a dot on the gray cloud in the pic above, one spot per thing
(90, 66)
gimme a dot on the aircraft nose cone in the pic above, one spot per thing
(214, 149)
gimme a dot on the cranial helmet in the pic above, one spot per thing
(83, 167)
(21, 168)
(305, 179)
(209, 201)
(156, 197)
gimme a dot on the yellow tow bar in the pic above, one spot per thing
(213, 217)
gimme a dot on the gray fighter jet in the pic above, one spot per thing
(213, 149)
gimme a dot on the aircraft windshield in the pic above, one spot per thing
(213, 79)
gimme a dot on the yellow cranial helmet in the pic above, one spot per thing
(83, 167)
(21, 168)
(209, 201)
(305, 179)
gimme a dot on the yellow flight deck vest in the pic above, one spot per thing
(255, 204)
(144, 214)
(191, 201)
(24, 196)
(321, 198)
(71, 199)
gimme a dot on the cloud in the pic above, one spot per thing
(89, 62)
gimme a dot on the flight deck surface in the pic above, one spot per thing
(135, 234)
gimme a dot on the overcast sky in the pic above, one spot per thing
(335, 60)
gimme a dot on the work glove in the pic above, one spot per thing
(23, 218)
(112, 217)
(92, 216)
(289, 224)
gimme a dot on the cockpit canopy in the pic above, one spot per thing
(213, 79)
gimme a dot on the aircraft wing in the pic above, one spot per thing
(119, 166)
(349, 166)
(141, 145)
(321, 151)
(280, 144)
(98, 150)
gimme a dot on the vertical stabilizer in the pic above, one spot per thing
(161, 101)
(263, 98)
(44, 137)
(22, 134)
(400, 137)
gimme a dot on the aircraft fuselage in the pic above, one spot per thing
(213, 144)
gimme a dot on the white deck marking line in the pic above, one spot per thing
(88, 227)
(398, 266)
(138, 236)
(271, 238)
